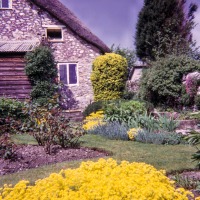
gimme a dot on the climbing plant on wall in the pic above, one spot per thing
(42, 72)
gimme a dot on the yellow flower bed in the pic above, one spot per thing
(132, 133)
(102, 180)
(94, 119)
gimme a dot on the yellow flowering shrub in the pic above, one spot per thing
(132, 133)
(108, 77)
(103, 180)
(94, 119)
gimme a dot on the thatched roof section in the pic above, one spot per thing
(64, 15)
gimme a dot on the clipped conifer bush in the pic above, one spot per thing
(108, 76)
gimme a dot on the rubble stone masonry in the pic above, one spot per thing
(26, 21)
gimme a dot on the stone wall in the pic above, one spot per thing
(26, 21)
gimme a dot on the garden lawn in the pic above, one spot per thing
(166, 157)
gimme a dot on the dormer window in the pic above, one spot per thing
(5, 4)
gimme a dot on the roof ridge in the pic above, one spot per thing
(67, 17)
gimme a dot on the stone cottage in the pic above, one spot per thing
(24, 24)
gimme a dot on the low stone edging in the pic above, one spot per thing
(76, 115)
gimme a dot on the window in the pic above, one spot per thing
(5, 4)
(68, 73)
(54, 34)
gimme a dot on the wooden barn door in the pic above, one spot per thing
(13, 81)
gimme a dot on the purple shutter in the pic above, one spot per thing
(72, 74)
(63, 73)
(5, 3)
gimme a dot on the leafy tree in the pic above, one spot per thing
(126, 53)
(162, 82)
(163, 26)
(109, 76)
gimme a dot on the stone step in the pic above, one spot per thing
(75, 115)
(188, 124)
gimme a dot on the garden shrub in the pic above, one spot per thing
(145, 121)
(167, 124)
(93, 120)
(11, 115)
(49, 127)
(158, 138)
(162, 82)
(194, 139)
(7, 147)
(192, 84)
(123, 111)
(189, 183)
(108, 76)
(42, 72)
(43, 91)
(149, 106)
(40, 65)
(132, 133)
(11, 108)
(197, 101)
(194, 115)
(185, 99)
(111, 130)
(104, 179)
(93, 107)
(151, 124)
(128, 95)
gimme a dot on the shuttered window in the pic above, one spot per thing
(68, 73)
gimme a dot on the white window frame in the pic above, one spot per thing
(9, 5)
(53, 27)
(67, 64)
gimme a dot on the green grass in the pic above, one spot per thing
(170, 158)
(23, 139)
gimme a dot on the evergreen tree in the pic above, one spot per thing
(163, 25)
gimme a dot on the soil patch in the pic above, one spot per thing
(189, 179)
(29, 156)
(192, 175)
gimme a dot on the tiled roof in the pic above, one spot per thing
(18, 46)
